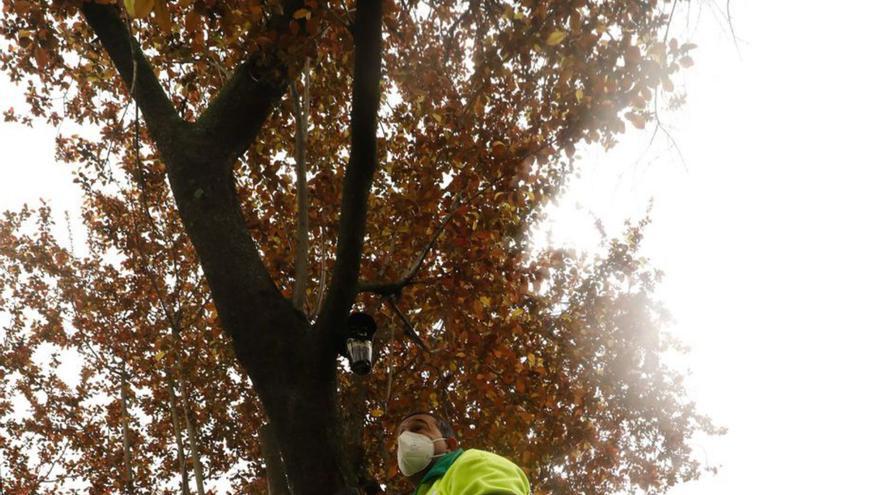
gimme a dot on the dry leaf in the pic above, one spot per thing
(139, 8)
(555, 38)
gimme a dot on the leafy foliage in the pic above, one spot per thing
(553, 359)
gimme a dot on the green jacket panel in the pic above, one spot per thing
(475, 472)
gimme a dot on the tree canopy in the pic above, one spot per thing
(298, 159)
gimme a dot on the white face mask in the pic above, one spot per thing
(414, 452)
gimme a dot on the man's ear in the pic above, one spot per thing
(452, 443)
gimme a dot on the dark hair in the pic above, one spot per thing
(442, 425)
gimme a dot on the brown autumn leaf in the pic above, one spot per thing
(41, 56)
(139, 8)
(163, 15)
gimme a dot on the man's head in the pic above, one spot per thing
(435, 428)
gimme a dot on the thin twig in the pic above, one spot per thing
(393, 288)
(669, 22)
(659, 124)
(408, 328)
(44, 478)
(414, 268)
(732, 30)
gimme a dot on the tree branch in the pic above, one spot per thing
(267, 332)
(394, 288)
(237, 113)
(126, 441)
(361, 166)
(45, 478)
(235, 116)
(175, 422)
(408, 328)
(199, 161)
(322, 285)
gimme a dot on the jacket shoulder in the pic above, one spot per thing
(477, 455)
(478, 472)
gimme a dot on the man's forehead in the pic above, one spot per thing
(423, 418)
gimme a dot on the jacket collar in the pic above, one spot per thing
(439, 468)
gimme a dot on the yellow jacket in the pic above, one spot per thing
(473, 472)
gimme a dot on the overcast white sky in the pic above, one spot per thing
(769, 241)
(767, 233)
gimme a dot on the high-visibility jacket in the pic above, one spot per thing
(473, 472)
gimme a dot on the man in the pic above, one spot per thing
(429, 456)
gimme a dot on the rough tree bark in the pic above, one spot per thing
(291, 363)
(275, 478)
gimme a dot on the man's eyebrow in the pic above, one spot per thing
(413, 420)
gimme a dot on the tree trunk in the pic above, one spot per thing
(308, 431)
(291, 363)
(276, 479)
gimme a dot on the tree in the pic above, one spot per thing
(139, 417)
(430, 134)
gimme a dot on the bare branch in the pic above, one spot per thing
(236, 114)
(390, 371)
(189, 423)
(392, 289)
(192, 436)
(199, 160)
(669, 22)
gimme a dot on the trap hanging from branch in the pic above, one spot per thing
(359, 342)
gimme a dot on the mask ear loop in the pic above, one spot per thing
(438, 440)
